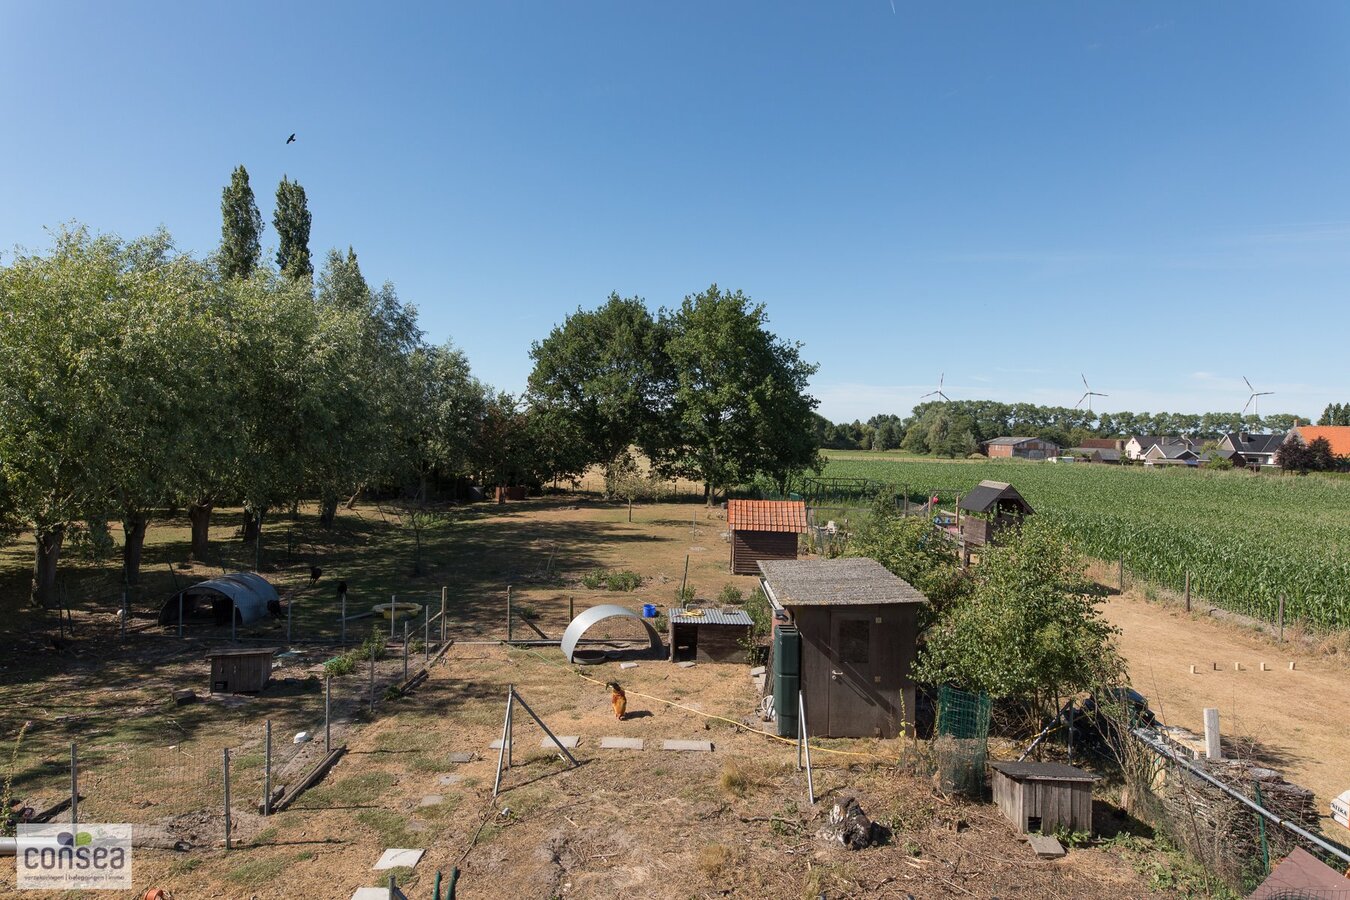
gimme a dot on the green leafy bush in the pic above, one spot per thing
(623, 581)
(731, 596)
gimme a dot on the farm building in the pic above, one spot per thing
(1170, 455)
(1338, 436)
(1021, 448)
(1116, 444)
(988, 509)
(1044, 797)
(1257, 449)
(246, 594)
(709, 635)
(1095, 454)
(845, 631)
(763, 529)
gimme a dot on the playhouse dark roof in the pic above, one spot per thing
(835, 582)
(986, 495)
(1042, 771)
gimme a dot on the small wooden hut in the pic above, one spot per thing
(988, 509)
(858, 627)
(709, 635)
(1044, 796)
(763, 529)
(242, 670)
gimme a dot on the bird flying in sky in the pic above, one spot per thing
(291, 139)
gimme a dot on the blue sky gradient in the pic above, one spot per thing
(1156, 194)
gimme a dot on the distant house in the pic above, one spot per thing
(1096, 454)
(1139, 444)
(1338, 436)
(1171, 455)
(1116, 444)
(1021, 448)
(1256, 449)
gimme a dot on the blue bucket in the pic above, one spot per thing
(649, 610)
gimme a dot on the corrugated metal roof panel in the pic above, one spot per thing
(766, 515)
(681, 616)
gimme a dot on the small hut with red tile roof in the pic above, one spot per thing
(763, 529)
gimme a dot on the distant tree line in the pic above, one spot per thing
(959, 427)
(1335, 414)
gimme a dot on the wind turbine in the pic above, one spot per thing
(1088, 394)
(938, 392)
(1254, 401)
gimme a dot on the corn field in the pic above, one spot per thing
(1245, 538)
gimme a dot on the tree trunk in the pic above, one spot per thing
(133, 531)
(44, 567)
(200, 516)
(252, 522)
(328, 510)
(351, 504)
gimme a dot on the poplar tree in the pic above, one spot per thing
(292, 221)
(240, 227)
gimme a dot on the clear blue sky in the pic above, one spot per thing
(1157, 194)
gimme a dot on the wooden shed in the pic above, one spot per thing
(243, 670)
(763, 529)
(858, 631)
(1044, 796)
(709, 635)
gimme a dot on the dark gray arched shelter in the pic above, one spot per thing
(245, 593)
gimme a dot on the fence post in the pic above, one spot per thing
(1188, 590)
(393, 598)
(372, 679)
(180, 613)
(1261, 825)
(405, 649)
(426, 634)
(571, 608)
(1281, 618)
(344, 620)
(74, 785)
(1122, 573)
(328, 714)
(226, 753)
(444, 592)
(508, 613)
(685, 580)
(267, 768)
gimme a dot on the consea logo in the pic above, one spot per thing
(91, 856)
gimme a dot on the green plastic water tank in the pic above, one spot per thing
(787, 678)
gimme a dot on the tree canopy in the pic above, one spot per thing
(292, 221)
(240, 228)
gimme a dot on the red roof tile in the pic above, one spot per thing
(1338, 436)
(766, 515)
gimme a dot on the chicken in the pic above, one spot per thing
(618, 699)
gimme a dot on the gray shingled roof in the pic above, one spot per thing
(1256, 443)
(986, 494)
(835, 582)
(1042, 771)
(711, 617)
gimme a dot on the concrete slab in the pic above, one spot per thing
(431, 800)
(757, 670)
(1046, 847)
(569, 741)
(496, 744)
(688, 746)
(371, 893)
(628, 665)
(396, 857)
(461, 756)
(685, 665)
(450, 779)
(622, 743)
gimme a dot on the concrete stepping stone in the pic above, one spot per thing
(461, 756)
(688, 746)
(431, 800)
(371, 893)
(398, 857)
(685, 665)
(569, 741)
(622, 743)
(1046, 847)
(628, 665)
(450, 779)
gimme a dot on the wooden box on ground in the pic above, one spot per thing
(709, 635)
(1044, 797)
(241, 670)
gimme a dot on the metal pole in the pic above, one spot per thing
(506, 737)
(405, 649)
(226, 752)
(426, 635)
(180, 614)
(393, 598)
(806, 747)
(267, 768)
(328, 714)
(372, 679)
(344, 620)
(508, 613)
(571, 608)
(557, 743)
(1188, 590)
(74, 785)
(393, 890)
(685, 580)
(444, 592)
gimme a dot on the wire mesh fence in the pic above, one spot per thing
(961, 740)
